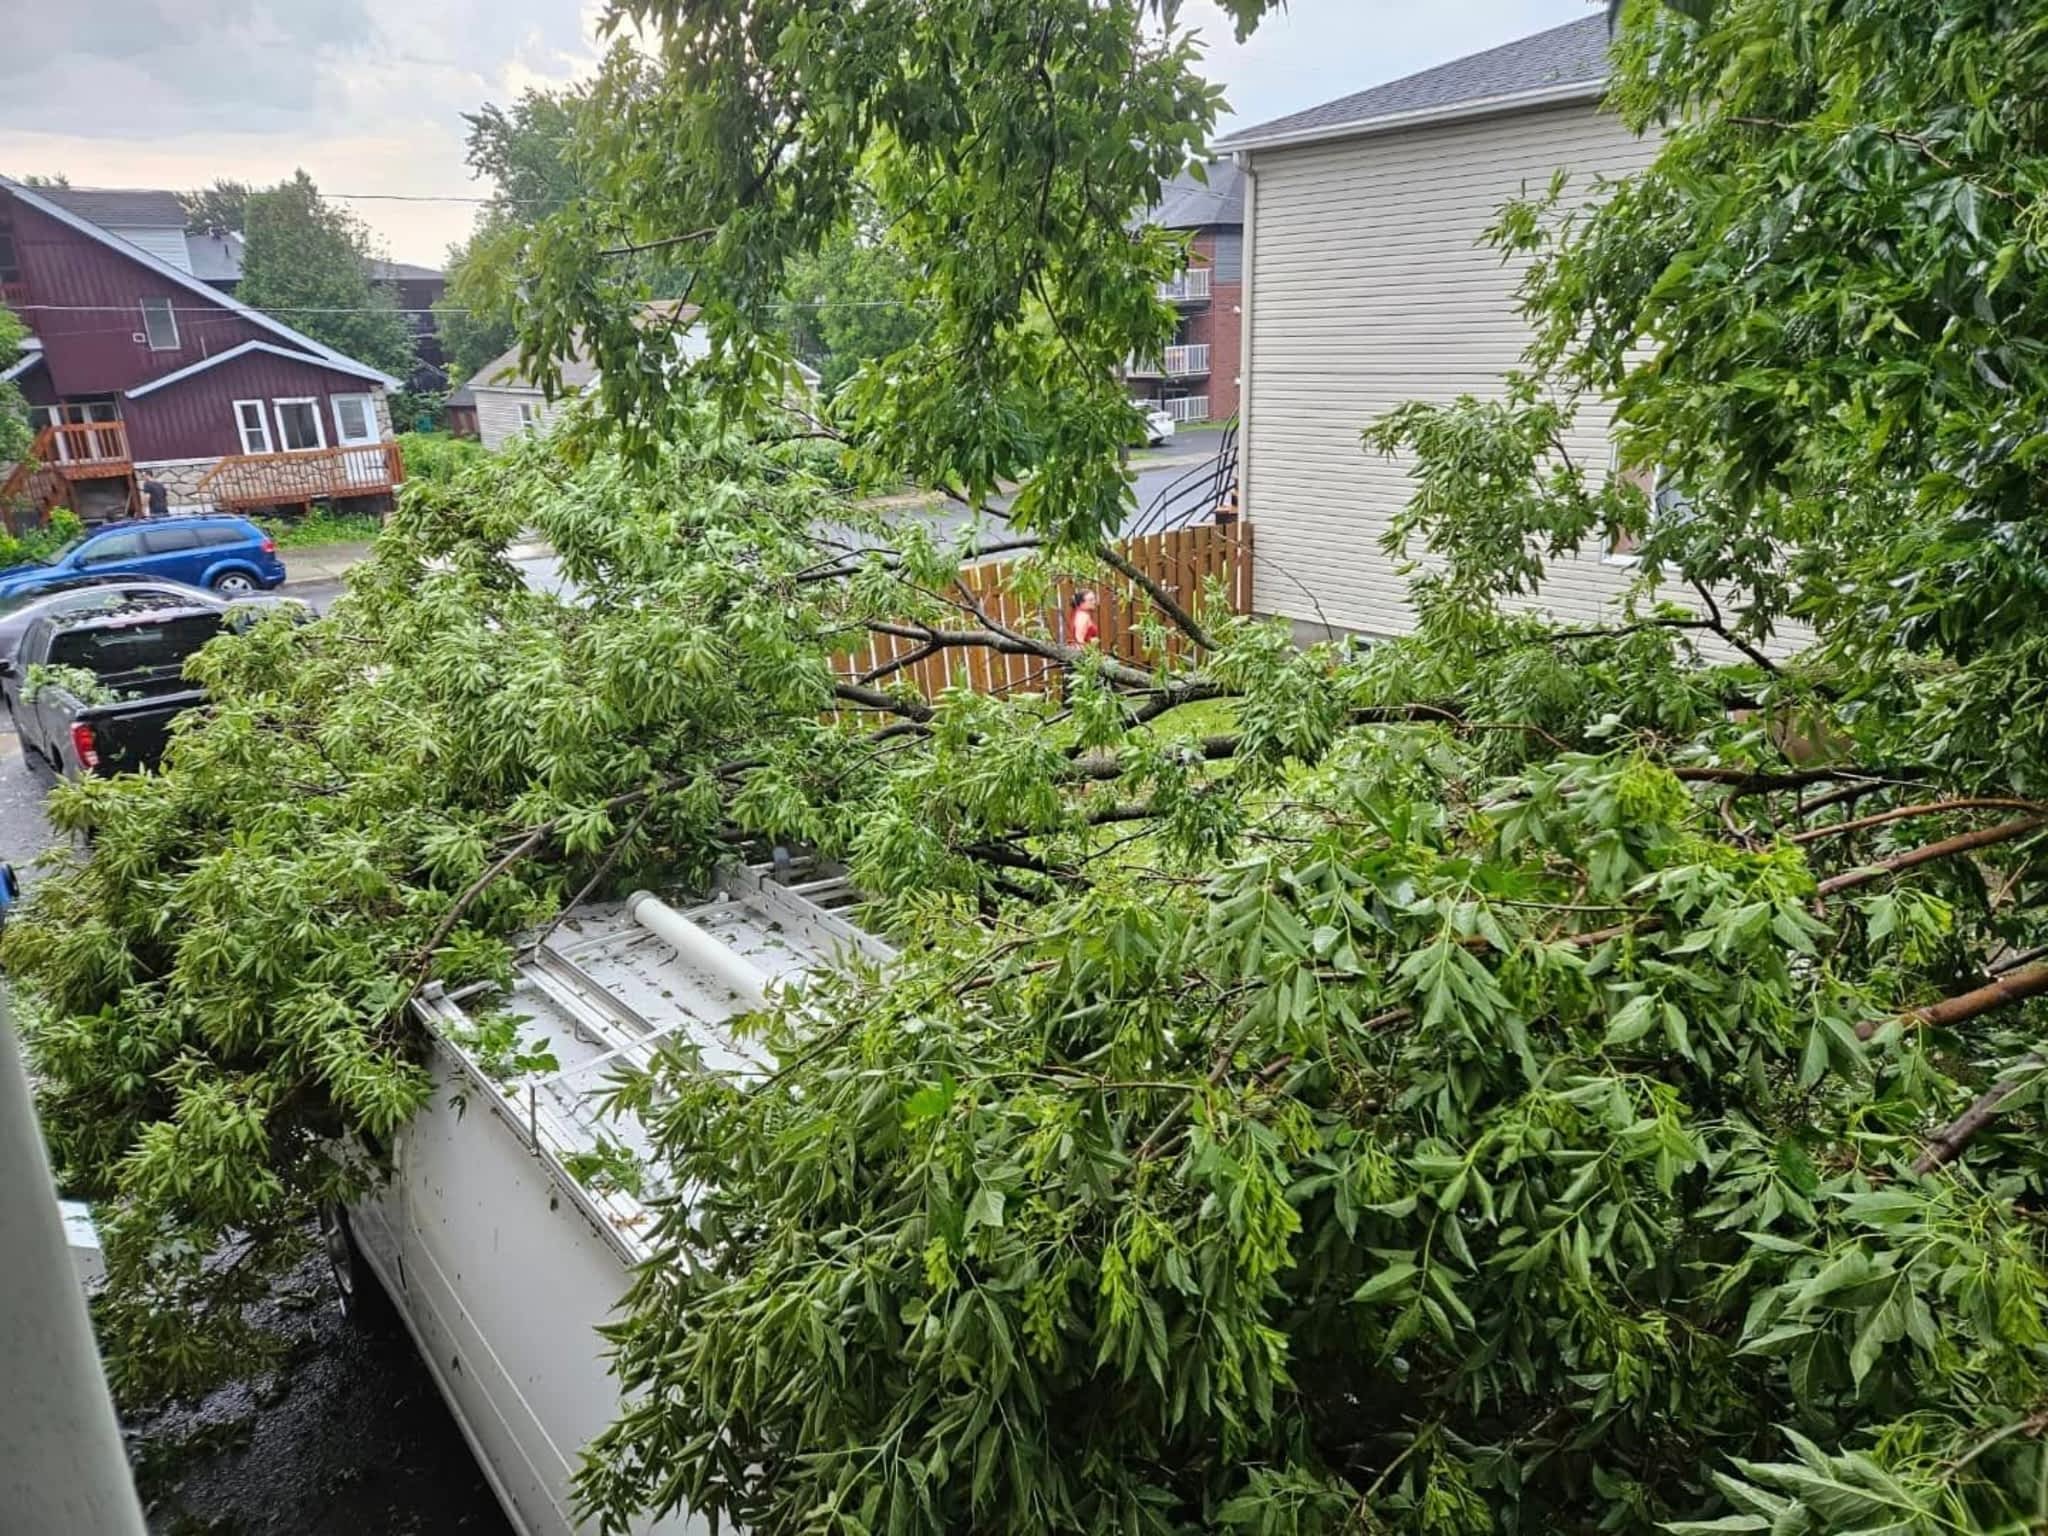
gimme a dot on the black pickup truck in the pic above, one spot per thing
(95, 691)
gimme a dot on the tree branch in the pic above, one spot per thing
(887, 703)
(1164, 600)
(666, 241)
(1908, 812)
(1722, 631)
(1948, 847)
(1947, 1144)
(2001, 992)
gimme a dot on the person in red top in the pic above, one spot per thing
(1082, 626)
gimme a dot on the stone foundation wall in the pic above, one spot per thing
(180, 477)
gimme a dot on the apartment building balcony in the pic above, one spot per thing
(1191, 287)
(1186, 408)
(1173, 363)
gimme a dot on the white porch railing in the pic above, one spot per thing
(1191, 287)
(1173, 363)
(1188, 408)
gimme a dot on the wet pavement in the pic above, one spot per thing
(348, 1438)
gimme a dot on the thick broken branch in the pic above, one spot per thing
(1948, 847)
(1947, 1144)
(887, 703)
(2001, 992)
(1162, 599)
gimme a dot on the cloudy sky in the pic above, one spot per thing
(367, 95)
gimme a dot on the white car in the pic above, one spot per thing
(1158, 424)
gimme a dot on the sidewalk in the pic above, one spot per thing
(327, 563)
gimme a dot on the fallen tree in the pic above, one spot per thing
(1513, 1078)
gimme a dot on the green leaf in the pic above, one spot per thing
(985, 1209)
(1393, 1277)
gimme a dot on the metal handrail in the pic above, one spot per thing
(1190, 497)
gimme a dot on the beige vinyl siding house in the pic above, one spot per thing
(508, 403)
(504, 411)
(1369, 285)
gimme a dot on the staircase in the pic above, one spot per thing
(1206, 493)
(62, 457)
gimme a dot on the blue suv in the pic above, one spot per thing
(229, 554)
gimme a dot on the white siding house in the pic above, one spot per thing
(1369, 285)
(508, 403)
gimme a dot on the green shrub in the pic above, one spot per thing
(438, 457)
(40, 543)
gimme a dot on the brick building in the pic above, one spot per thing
(1196, 378)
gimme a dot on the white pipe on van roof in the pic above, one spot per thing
(700, 948)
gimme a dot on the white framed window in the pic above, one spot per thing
(355, 420)
(298, 425)
(160, 325)
(529, 416)
(1669, 505)
(253, 425)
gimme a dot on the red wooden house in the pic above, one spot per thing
(137, 369)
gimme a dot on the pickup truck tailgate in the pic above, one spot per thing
(132, 735)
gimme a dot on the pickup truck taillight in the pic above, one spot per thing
(83, 744)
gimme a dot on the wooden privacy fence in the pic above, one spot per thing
(1183, 562)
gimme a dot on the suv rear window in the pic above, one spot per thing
(215, 534)
(129, 647)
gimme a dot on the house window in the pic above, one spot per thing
(253, 425)
(160, 324)
(355, 420)
(529, 416)
(10, 270)
(298, 425)
(1668, 505)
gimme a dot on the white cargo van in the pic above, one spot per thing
(514, 1211)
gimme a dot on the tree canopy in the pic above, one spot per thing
(307, 262)
(1513, 1077)
(224, 205)
(524, 152)
(852, 303)
(15, 435)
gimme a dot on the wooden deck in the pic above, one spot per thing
(61, 456)
(295, 479)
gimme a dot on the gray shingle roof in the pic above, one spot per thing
(401, 272)
(120, 207)
(215, 258)
(1186, 203)
(1573, 54)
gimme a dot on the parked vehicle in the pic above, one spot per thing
(75, 594)
(1158, 427)
(518, 1203)
(229, 555)
(96, 691)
